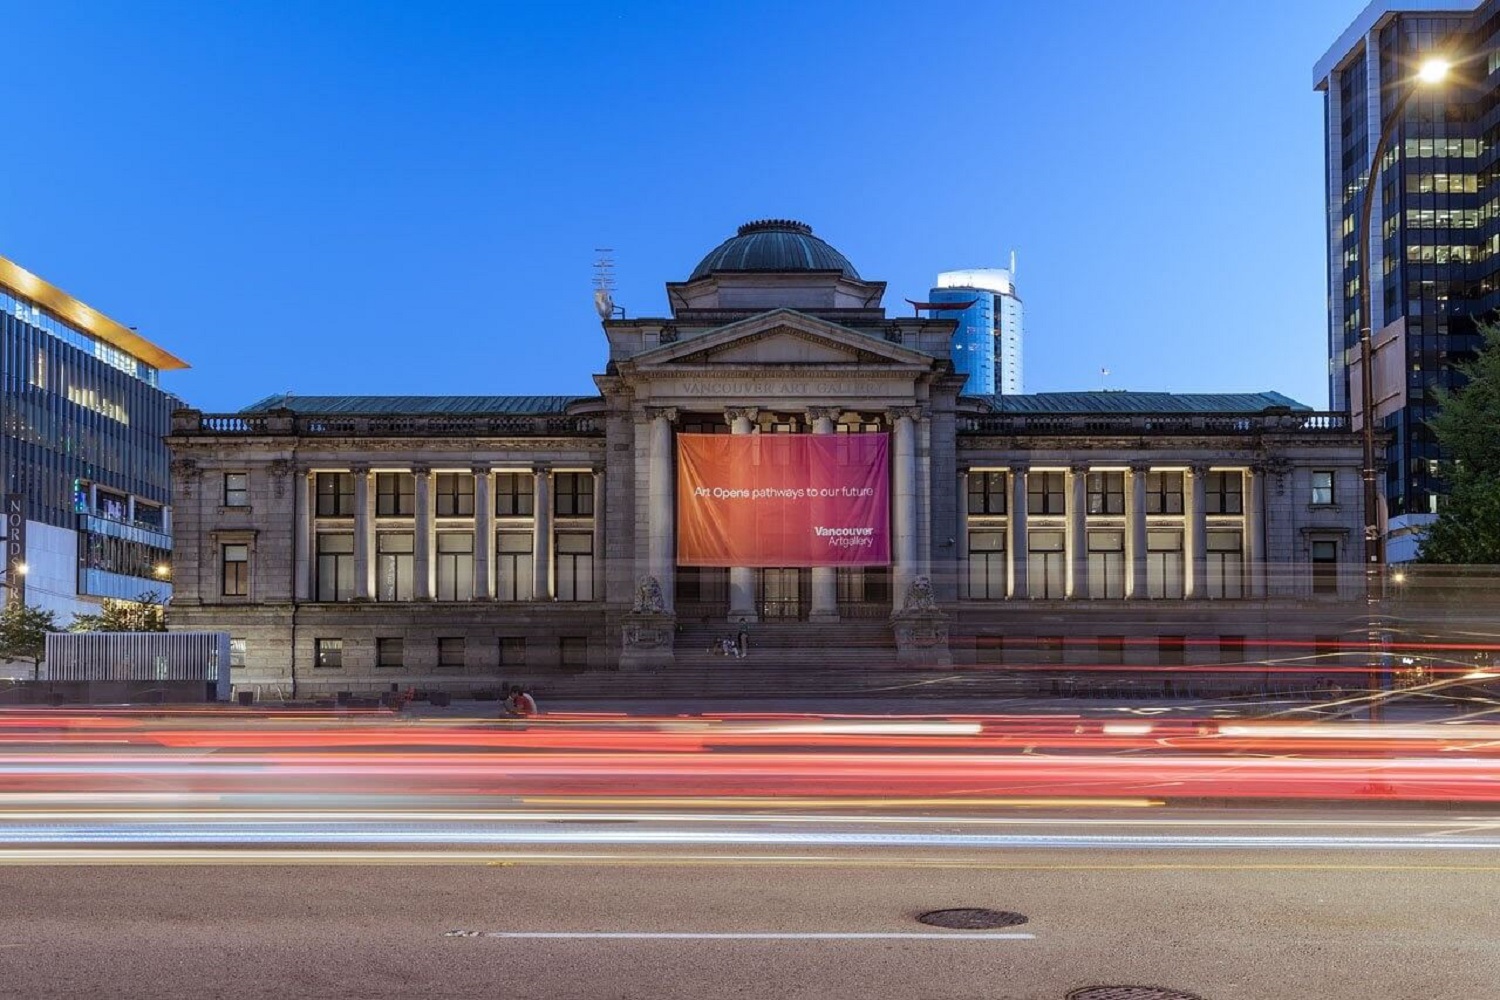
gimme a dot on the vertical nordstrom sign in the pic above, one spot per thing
(15, 546)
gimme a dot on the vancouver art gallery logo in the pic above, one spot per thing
(783, 500)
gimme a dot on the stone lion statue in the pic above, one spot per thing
(919, 595)
(648, 596)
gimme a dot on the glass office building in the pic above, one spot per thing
(1435, 226)
(81, 450)
(987, 343)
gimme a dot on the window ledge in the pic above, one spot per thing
(236, 509)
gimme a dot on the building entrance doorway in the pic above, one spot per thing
(783, 594)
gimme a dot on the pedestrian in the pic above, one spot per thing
(742, 643)
(523, 704)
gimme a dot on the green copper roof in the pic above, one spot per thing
(415, 404)
(774, 245)
(1143, 402)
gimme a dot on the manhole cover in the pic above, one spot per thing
(1130, 993)
(972, 919)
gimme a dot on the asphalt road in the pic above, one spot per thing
(1268, 923)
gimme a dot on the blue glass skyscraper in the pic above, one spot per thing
(987, 343)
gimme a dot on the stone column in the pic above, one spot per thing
(600, 579)
(742, 578)
(1255, 519)
(1135, 586)
(961, 539)
(422, 530)
(1078, 538)
(364, 533)
(302, 537)
(1197, 532)
(904, 502)
(1020, 552)
(660, 560)
(541, 534)
(484, 533)
(825, 591)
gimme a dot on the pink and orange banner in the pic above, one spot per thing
(783, 500)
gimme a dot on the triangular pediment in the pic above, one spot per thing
(782, 337)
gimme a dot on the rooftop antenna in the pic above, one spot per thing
(604, 284)
(1013, 266)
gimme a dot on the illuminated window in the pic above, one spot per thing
(1164, 565)
(455, 494)
(573, 494)
(1322, 487)
(1163, 493)
(1045, 493)
(236, 579)
(236, 654)
(395, 566)
(335, 494)
(1325, 567)
(1223, 493)
(335, 568)
(1106, 564)
(1046, 565)
(395, 494)
(987, 492)
(1106, 492)
(575, 566)
(455, 566)
(328, 653)
(236, 489)
(513, 566)
(514, 494)
(988, 568)
(1226, 565)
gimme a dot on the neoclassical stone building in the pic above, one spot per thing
(348, 543)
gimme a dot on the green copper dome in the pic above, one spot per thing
(774, 245)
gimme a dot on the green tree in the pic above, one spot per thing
(23, 633)
(1467, 426)
(144, 614)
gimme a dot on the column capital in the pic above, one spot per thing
(823, 413)
(1199, 469)
(360, 468)
(1078, 468)
(1140, 468)
(750, 413)
(480, 470)
(1018, 468)
(421, 470)
(541, 469)
(667, 413)
(910, 412)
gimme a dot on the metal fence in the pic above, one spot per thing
(139, 656)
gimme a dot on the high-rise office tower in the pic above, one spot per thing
(987, 343)
(83, 464)
(1434, 234)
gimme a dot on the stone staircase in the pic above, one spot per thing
(806, 659)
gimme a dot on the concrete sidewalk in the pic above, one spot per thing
(1403, 711)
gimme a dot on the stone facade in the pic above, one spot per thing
(461, 543)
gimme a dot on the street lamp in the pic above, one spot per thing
(1432, 73)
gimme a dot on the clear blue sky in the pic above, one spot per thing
(405, 198)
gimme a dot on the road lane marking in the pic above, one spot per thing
(149, 857)
(746, 935)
